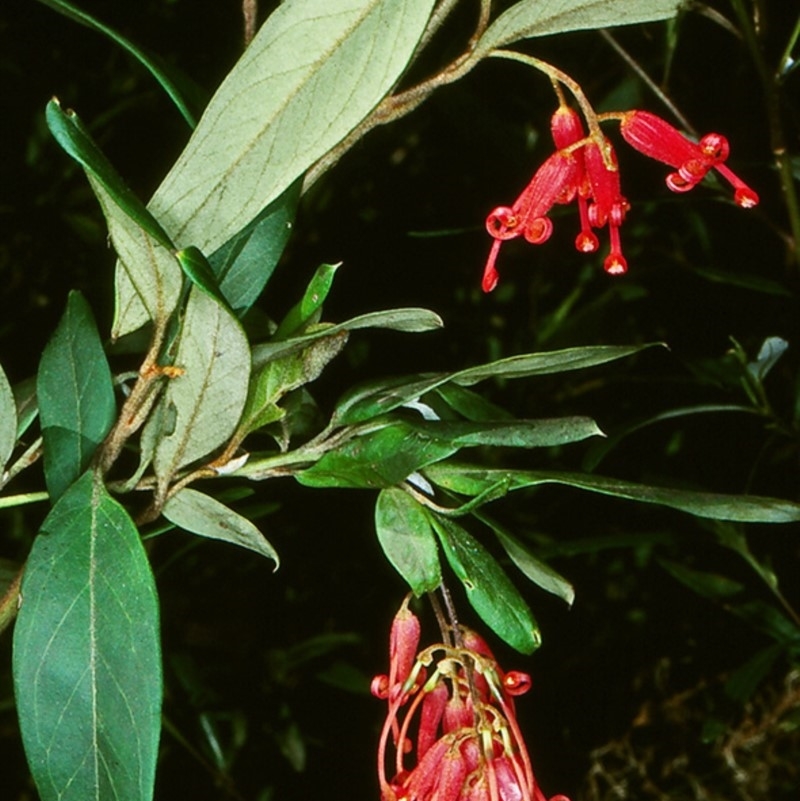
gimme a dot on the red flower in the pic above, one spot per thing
(469, 746)
(657, 139)
(584, 168)
(528, 216)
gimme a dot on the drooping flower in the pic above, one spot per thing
(459, 704)
(584, 168)
(528, 216)
(656, 138)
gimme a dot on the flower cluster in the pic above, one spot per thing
(584, 169)
(451, 722)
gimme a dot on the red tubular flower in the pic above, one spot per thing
(528, 216)
(657, 139)
(567, 130)
(469, 746)
(609, 206)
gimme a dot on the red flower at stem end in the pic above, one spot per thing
(458, 704)
(584, 168)
(656, 138)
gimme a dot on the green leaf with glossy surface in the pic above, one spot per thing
(527, 19)
(471, 480)
(196, 268)
(311, 303)
(489, 590)
(245, 263)
(310, 75)
(377, 459)
(8, 422)
(379, 397)
(408, 542)
(76, 396)
(87, 666)
(206, 401)
(201, 514)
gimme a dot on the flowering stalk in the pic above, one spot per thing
(584, 168)
(460, 705)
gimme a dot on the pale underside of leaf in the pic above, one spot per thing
(527, 19)
(148, 278)
(205, 516)
(206, 401)
(8, 422)
(311, 74)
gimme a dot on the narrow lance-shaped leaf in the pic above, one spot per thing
(76, 396)
(532, 567)
(148, 279)
(472, 480)
(376, 459)
(311, 303)
(407, 320)
(87, 666)
(201, 514)
(311, 74)
(8, 422)
(375, 399)
(156, 69)
(489, 590)
(526, 19)
(203, 405)
(407, 539)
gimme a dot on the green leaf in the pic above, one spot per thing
(533, 568)
(201, 514)
(744, 681)
(87, 666)
(517, 434)
(148, 279)
(73, 137)
(204, 403)
(471, 480)
(377, 398)
(151, 64)
(279, 377)
(471, 405)
(245, 263)
(709, 585)
(405, 534)
(772, 348)
(197, 269)
(311, 74)
(527, 19)
(27, 404)
(8, 422)
(408, 320)
(489, 590)
(316, 292)
(377, 459)
(76, 396)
